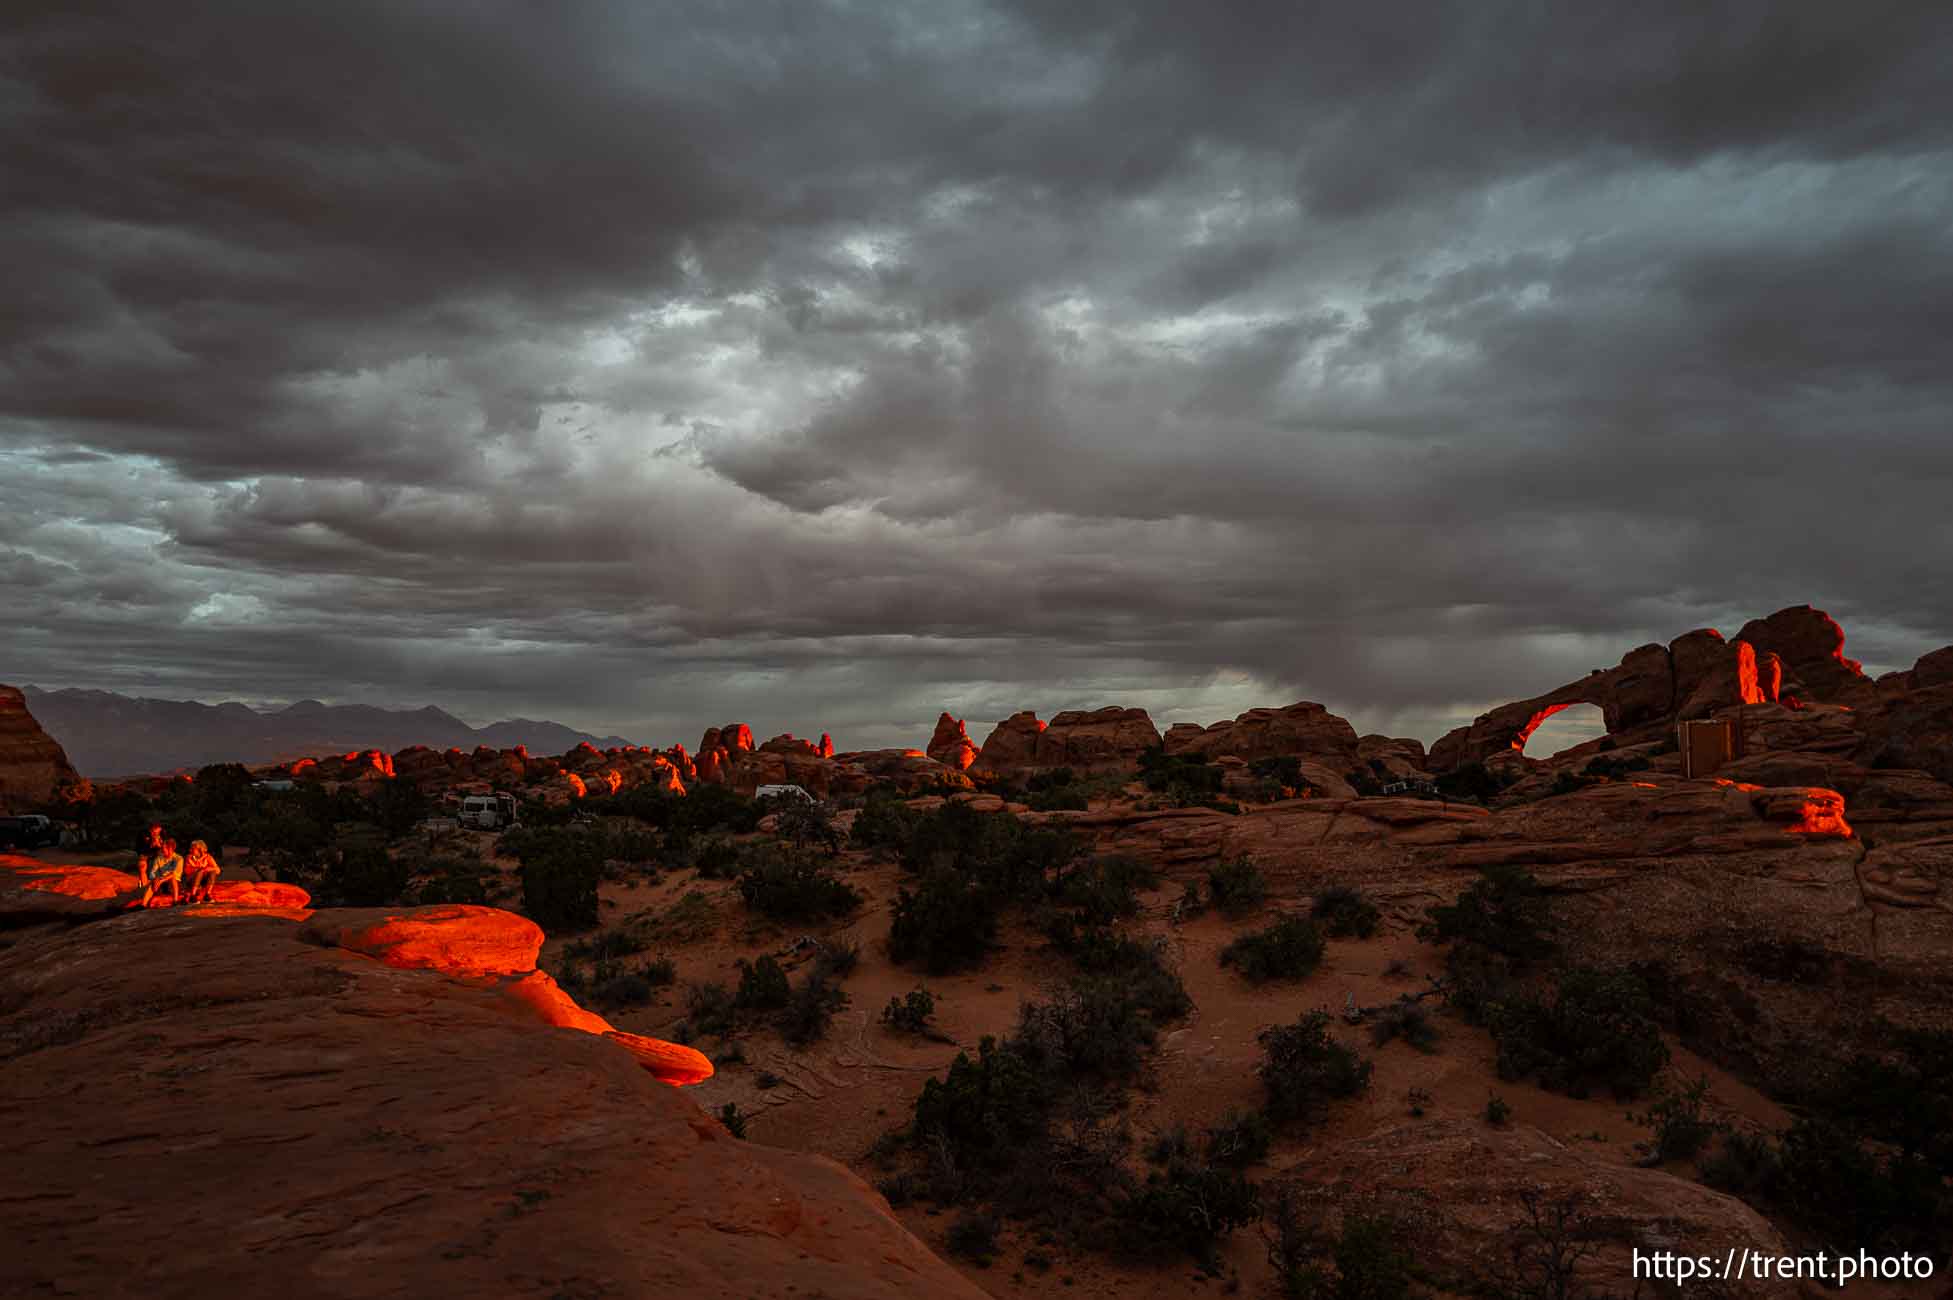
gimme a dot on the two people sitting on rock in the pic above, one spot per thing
(160, 866)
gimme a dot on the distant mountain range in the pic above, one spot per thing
(108, 735)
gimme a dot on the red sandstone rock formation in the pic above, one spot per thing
(1105, 738)
(1098, 740)
(1304, 730)
(1795, 654)
(951, 745)
(1012, 744)
(336, 1127)
(909, 770)
(33, 767)
(1393, 758)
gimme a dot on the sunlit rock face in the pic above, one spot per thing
(950, 745)
(1811, 645)
(33, 768)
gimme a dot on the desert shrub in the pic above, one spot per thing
(1856, 1197)
(899, 1188)
(1236, 886)
(790, 887)
(716, 858)
(809, 1009)
(1191, 903)
(836, 958)
(1182, 778)
(1497, 929)
(1612, 769)
(1288, 950)
(1189, 1206)
(628, 988)
(1505, 911)
(605, 945)
(1675, 1115)
(1102, 951)
(452, 880)
(946, 924)
(1565, 782)
(367, 876)
(884, 821)
(1596, 1027)
(1471, 781)
(1343, 911)
(987, 1108)
(708, 807)
(1371, 1260)
(1303, 1069)
(910, 1014)
(805, 823)
(560, 873)
(1497, 1110)
(1173, 1143)
(1104, 889)
(1418, 1101)
(1062, 798)
(1242, 1137)
(973, 1237)
(735, 1122)
(1366, 1260)
(1406, 1018)
(762, 986)
(1285, 770)
(1011, 859)
(1096, 1025)
(1903, 1097)
(1745, 1165)
(711, 1009)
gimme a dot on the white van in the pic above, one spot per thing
(488, 812)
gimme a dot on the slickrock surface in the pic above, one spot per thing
(1460, 1183)
(205, 1105)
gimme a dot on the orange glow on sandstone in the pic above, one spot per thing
(1525, 732)
(1822, 814)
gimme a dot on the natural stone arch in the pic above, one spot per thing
(1559, 727)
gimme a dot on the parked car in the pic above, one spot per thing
(32, 831)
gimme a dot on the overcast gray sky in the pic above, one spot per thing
(649, 366)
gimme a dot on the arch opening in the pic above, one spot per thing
(1560, 728)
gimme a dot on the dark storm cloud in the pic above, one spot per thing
(650, 365)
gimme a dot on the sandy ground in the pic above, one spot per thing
(838, 1096)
